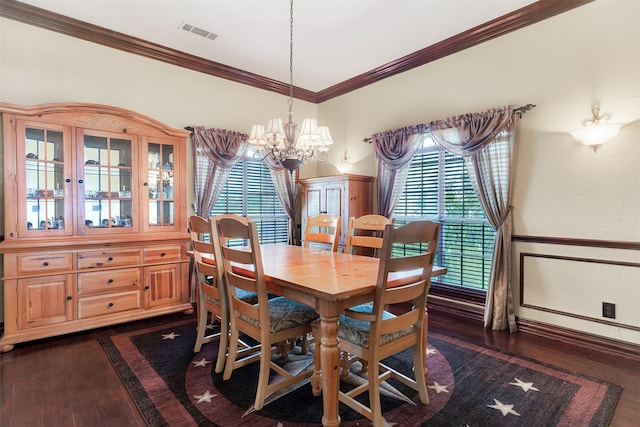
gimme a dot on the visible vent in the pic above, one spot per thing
(198, 31)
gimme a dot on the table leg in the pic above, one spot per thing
(330, 362)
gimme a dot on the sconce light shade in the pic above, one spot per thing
(595, 134)
(595, 131)
(345, 164)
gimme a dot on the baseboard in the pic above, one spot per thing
(589, 342)
(581, 339)
(468, 311)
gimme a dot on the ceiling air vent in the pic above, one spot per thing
(198, 31)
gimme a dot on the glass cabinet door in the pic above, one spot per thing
(160, 184)
(107, 191)
(46, 184)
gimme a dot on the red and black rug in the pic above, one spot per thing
(468, 385)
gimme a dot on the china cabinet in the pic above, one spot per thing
(344, 195)
(94, 219)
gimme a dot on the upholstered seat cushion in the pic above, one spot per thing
(246, 296)
(357, 331)
(286, 314)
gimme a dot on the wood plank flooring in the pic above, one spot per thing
(68, 381)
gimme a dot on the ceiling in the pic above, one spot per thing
(334, 40)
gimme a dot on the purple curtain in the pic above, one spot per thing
(215, 151)
(485, 140)
(286, 186)
(394, 150)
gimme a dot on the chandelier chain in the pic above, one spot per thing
(282, 143)
(291, 61)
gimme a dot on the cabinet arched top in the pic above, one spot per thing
(95, 116)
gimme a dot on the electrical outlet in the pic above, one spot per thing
(609, 310)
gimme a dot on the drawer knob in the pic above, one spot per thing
(163, 254)
(110, 258)
(110, 304)
(80, 181)
(110, 281)
(69, 297)
(46, 263)
(146, 288)
(67, 180)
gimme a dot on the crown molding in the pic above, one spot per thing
(520, 18)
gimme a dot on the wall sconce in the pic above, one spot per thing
(596, 131)
(345, 164)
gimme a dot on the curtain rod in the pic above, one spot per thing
(520, 111)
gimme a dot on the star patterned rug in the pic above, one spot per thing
(469, 385)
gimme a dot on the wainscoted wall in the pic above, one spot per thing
(564, 282)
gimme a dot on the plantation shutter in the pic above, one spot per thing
(438, 189)
(249, 192)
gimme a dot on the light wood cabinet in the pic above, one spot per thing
(95, 219)
(44, 301)
(161, 285)
(344, 195)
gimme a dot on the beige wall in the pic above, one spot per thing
(561, 189)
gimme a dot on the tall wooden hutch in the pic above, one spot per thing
(343, 195)
(95, 215)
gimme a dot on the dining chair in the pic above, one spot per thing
(212, 303)
(269, 321)
(212, 299)
(365, 234)
(323, 229)
(372, 334)
(364, 237)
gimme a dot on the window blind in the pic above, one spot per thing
(249, 191)
(438, 189)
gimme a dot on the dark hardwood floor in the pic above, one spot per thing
(68, 381)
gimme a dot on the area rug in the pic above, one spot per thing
(469, 385)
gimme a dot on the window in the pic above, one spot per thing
(438, 189)
(249, 192)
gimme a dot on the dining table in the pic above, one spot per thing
(330, 282)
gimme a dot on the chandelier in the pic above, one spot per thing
(282, 142)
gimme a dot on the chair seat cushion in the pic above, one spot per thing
(357, 331)
(247, 296)
(286, 314)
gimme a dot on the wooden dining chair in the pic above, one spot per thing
(373, 334)
(269, 321)
(323, 229)
(364, 236)
(212, 303)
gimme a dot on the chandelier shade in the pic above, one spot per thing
(283, 142)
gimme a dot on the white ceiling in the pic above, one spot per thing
(334, 40)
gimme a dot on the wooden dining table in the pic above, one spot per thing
(330, 282)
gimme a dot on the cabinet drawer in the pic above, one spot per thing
(161, 254)
(108, 280)
(109, 258)
(43, 263)
(108, 304)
